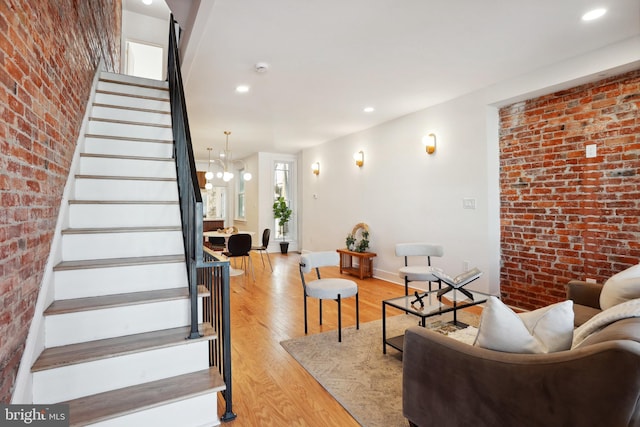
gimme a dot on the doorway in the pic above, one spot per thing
(144, 60)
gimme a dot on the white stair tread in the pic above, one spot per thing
(117, 300)
(71, 354)
(118, 262)
(136, 96)
(124, 107)
(123, 202)
(121, 229)
(128, 122)
(126, 79)
(125, 178)
(111, 404)
(128, 138)
(120, 157)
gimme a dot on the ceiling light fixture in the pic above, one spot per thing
(226, 155)
(242, 89)
(209, 175)
(147, 2)
(594, 14)
(225, 159)
(369, 109)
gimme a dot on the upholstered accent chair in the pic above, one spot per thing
(330, 288)
(421, 272)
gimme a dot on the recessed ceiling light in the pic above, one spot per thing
(147, 2)
(242, 89)
(594, 14)
(369, 109)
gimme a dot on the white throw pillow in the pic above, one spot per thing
(621, 287)
(545, 330)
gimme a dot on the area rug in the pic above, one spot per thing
(366, 382)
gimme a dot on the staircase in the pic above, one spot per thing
(115, 343)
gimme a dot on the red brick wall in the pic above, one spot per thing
(565, 216)
(49, 51)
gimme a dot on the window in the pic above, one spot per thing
(282, 187)
(240, 191)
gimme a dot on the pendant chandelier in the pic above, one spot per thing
(225, 160)
(209, 175)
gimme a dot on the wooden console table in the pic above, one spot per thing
(365, 263)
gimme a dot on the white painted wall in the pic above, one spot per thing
(406, 195)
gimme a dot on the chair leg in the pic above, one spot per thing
(339, 319)
(305, 313)
(269, 259)
(253, 274)
(261, 259)
(320, 315)
(406, 286)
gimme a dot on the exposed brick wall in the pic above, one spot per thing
(49, 51)
(565, 216)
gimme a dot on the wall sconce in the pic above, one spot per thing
(359, 158)
(429, 142)
(315, 168)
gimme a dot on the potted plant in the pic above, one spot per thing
(282, 213)
(351, 242)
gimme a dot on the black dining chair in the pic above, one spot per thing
(217, 243)
(239, 245)
(266, 234)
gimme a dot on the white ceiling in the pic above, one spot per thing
(329, 59)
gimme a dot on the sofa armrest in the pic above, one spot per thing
(584, 293)
(446, 382)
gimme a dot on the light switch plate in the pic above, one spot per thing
(592, 151)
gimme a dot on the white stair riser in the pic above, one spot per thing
(125, 78)
(131, 115)
(75, 327)
(128, 148)
(123, 215)
(84, 283)
(107, 166)
(73, 381)
(122, 189)
(133, 90)
(128, 101)
(129, 131)
(197, 411)
(120, 245)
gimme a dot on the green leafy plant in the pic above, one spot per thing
(282, 213)
(363, 245)
(350, 240)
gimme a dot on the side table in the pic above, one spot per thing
(365, 263)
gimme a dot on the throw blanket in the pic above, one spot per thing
(617, 312)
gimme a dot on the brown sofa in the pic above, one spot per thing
(449, 383)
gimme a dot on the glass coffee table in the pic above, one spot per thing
(428, 305)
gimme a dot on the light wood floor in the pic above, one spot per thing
(269, 387)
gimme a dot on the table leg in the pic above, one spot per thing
(384, 329)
